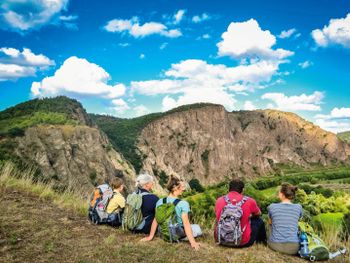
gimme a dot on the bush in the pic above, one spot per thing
(196, 185)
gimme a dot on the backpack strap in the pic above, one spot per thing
(176, 202)
(227, 199)
(244, 199)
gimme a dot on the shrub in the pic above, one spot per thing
(196, 185)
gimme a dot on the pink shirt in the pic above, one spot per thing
(249, 208)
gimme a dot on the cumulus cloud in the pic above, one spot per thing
(305, 64)
(141, 110)
(142, 56)
(16, 64)
(135, 29)
(119, 105)
(248, 40)
(302, 102)
(248, 105)
(78, 76)
(200, 18)
(287, 33)
(31, 14)
(337, 120)
(337, 32)
(193, 80)
(163, 46)
(179, 16)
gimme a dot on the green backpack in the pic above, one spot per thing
(317, 248)
(132, 216)
(166, 219)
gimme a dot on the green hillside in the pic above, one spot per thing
(59, 110)
(344, 136)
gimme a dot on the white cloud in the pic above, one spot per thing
(200, 18)
(337, 120)
(163, 46)
(248, 105)
(204, 36)
(302, 102)
(141, 110)
(16, 64)
(287, 33)
(25, 15)
(119, 105)
(133, 27)
(78, 77)
(69, 18)
(123, 44)
(305, 64)
(248, 40)
(142, 56)
(179, 16)
(194, 80)
(337, 32)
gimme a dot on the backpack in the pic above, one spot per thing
(99, 202)
(132, 216)
(229, 231)
(166, 219)
(317, 248)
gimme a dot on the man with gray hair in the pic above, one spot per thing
(144, 184)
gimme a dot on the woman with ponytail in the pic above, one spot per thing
(283, 218)
(189, 231)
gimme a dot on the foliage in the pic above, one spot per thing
(196, 185)
(317, 189)
(344, 136)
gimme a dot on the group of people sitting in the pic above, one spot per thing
(283, 217)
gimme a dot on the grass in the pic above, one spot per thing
(23, 181)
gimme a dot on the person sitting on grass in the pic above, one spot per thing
(145, 183)
(116, 204)
(283, 218)
(238, 221)
(185, 230)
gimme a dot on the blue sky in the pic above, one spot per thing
(129, 58)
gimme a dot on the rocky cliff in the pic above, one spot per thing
(70, 151)
(209, 144)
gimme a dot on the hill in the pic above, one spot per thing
(344, 136)
(57, 138)
(47, 231)
(208, 143)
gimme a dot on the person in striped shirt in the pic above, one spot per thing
(283, 218)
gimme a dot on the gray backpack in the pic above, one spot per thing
(229, 231)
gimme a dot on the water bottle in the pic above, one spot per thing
(304, 246)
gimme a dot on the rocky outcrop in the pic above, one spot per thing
(210, 144)
(73, 157)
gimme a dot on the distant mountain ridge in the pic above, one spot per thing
(199, 141)
(344, 136)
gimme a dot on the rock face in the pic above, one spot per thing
(73, 157)
(210, 143)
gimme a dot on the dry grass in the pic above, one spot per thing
(39, 225)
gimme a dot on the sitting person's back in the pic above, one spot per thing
(284, 217)
(116, 204)
(251, 224)
(145, 184)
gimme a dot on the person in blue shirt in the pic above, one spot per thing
(176, 187)
(283, 218)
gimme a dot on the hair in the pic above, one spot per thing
(173, 183)
(143, 179)
(116, 183)
(236, 185)
(288, 190)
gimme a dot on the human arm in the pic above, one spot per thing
(188, 231)
(152, 232)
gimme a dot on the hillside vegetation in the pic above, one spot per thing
(344, 136)
(38, 225)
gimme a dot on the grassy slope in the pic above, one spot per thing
(345, 136)
(35, 229)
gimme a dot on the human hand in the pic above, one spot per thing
(146, 239)
(195, 245)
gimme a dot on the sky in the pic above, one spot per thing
(130, 58)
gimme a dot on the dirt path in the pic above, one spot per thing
(35, 230)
